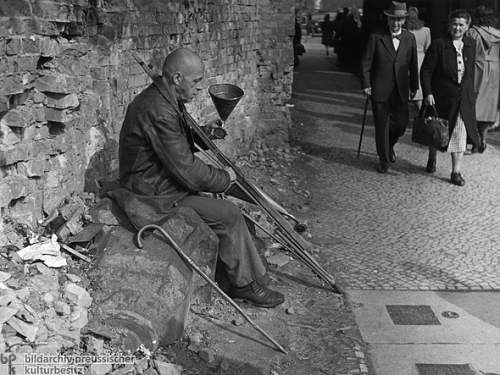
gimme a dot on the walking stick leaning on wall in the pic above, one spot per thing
(287, 236)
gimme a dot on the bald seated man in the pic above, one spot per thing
(159, 171)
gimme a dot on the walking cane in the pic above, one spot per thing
(363, 125)
(208, 279)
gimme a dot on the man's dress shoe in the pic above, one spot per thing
(383, 167)
(431, 166)
(257, 295)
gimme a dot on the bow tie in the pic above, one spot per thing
(398, 36)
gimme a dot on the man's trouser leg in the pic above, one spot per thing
(400, 116)
(236, 248)
(381, 120)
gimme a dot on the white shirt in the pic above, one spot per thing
(395, 41)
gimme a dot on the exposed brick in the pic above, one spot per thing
(55, 83)
(50, 47)
(16, 118)
(5, 194)
(11, 155)
(13, 46)
(15, 8)
(11, 85)
(32, 168)
(31, 45)
(8, 138)
(60, 101)
(57, 115)
(53, 11)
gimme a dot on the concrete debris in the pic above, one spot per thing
(195, 338)
(100, 368)
(47, 251)
(4, 276)
(27, 330)
(77, 295)
(95, 345)
(208, 355)
(6, 313)
(279, 259)
(164, 368)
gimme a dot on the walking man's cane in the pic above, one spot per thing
(363, 125)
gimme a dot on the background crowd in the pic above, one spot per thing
(474, 81)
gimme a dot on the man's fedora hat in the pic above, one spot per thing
(397, 10)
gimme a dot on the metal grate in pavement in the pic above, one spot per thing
(441, 369)
(412, 315)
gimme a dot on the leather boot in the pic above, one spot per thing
(257, 295)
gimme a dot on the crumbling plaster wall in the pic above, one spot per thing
(67, 76)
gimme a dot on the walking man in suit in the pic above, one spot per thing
(389, 72)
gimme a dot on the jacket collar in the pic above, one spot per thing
(170, 96)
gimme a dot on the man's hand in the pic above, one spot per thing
(214, 129)
(429, 100)
(412, 94)
(367, 91)
(232, 173)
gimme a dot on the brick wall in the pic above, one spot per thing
(67, 76)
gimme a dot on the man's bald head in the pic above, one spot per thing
(183, 72)
(184, 61)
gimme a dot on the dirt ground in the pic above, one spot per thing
(314, 325)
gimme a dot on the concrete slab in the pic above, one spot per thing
(401, 359)
(377, 327)
(483, 305)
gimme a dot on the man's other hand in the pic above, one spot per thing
(412, 94)
(367, 91)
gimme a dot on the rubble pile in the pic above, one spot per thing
(42, 307)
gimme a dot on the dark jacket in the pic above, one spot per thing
(383, 69)
(156, 151)
(439, 77)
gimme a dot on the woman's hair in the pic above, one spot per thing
(460, 13)
(412, 21)
(484, 16)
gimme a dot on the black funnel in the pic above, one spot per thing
(225, 97)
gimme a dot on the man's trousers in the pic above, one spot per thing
(237, 250)
(391, 119)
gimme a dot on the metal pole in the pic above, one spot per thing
(208, 279)
(363, 125)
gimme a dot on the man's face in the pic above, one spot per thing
(457, 27)
(190, 85)
(395, 24)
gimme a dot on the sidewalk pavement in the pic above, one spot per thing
(407, 238)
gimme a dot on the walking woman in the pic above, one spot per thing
(487, 69)
(447, 77)
(422, 36)
(327, 33)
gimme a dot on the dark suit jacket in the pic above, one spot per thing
(439, 77)
(383, 69)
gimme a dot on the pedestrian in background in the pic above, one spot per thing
(350, 42)
(447, 77)
(487, 69)
(389, 73)
(298, 48)
(327, 33)
(338, 28)
(422, 36)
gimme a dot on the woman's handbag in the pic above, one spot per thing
(430, 130)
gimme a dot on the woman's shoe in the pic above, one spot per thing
(457, 179)
(431, 166)
(482, 147)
